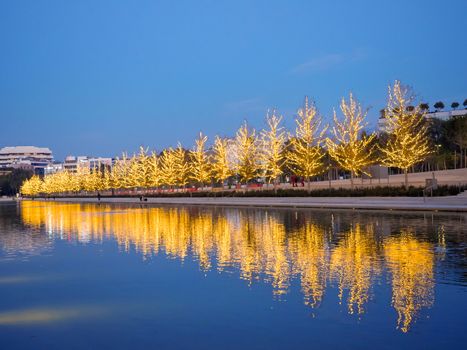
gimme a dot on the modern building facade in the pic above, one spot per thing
(53, 168)
(72, 163)
(35, 158)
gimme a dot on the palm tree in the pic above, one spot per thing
(454, 105)
(465, 103)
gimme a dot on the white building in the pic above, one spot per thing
(72, 163)
(53, 168)
(36, 158)
(445, 115)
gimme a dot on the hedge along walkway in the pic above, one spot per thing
(448, 203)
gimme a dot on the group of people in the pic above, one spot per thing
(295, 180)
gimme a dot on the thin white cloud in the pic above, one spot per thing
(319, 63)
(247, 105)
(327, 62)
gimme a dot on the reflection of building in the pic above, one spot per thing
(35, 158)
(72, 163)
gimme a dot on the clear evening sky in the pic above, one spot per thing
(100, 77)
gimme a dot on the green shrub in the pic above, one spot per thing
(327, 192)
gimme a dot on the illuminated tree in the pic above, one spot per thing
(154, 171)
(306, 154)
(90, 179)
(182, 167)
(246, 147)
(200, 162)
(98, 179)
(25, 188)
(61, 182)
(272, 148)
(221, 168)
(408, 142)
(81, 173)
(133, 177)
(142, 168)
(49, 185)
(351, 150)
(168, 167)
(73, 183)
(107, 179)
(32, 187)
(119, 172)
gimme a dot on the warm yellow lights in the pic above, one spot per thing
(348, 147)
(200, 161)
(260, 246)
(408, 142)
(306, 154)
(272, 157)
(268, 154)
(246, 153)
(411, 264)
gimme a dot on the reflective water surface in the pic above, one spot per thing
(112, 276)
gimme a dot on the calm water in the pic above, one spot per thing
(109, 276)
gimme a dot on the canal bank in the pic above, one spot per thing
(449, 203)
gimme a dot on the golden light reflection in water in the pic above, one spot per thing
(411, 264)
(47, 315)
(355, 264)
(260, 246)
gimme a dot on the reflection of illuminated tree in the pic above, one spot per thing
(259, 246)
(354, 265)
(310, 253)
(411, 264)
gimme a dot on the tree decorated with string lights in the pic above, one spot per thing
(143, 168)
(107, 180)
(168, 167)
(221, 167)
(154, 170)
(182, 166)
(246, 148)
(348, 147)
(272, 143)
(133, 178)
(305, 156)
(408, 142)
(119, 172)
(200, 161)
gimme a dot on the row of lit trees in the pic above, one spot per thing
(268, 154)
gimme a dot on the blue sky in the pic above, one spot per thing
(101, 77)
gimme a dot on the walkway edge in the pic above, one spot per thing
(439, 204)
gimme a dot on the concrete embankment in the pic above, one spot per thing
(449, 203)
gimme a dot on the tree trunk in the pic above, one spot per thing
(351, 179)
(406, 178)
(309, 184)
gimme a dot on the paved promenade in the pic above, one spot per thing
(450, 203)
